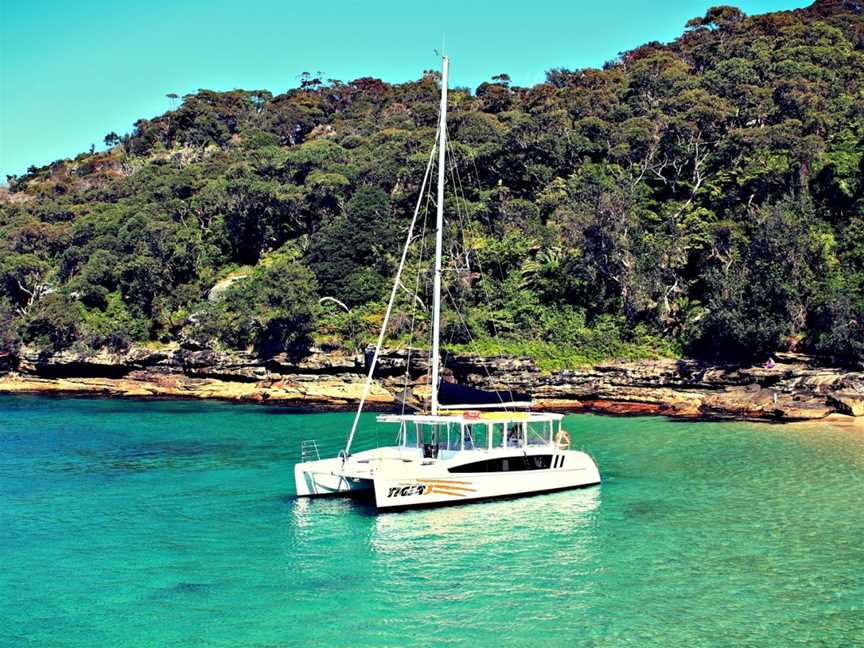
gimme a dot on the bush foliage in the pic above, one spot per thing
(702, 197)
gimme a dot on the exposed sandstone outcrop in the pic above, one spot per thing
(794, 389)
(851, 403)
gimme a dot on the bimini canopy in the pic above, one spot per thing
(453, 396)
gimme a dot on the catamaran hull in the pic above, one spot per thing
(397, 483)
(422, 491)
(326, 477)
(395, 508)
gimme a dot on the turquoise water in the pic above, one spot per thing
(128, 523)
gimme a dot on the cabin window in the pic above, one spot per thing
(476, 436)
(432, 434)
(448, 436)
(510, 464)
(496, 435)
(455, 434)
(536, 433)
(515, 435)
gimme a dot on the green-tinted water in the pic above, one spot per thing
(166, 523)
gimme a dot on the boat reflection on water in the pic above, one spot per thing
(568, 516)
(565, 521)
(508, 563)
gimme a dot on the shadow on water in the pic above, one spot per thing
(177, 455)
(112, 404)
(177, 448)
(274, 409)
(173, 405)
(720, 418)
(184, 589)
(646, 509)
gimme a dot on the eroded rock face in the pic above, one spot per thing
(851, 403)
(794, 389)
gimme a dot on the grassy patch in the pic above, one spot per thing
(554, 357)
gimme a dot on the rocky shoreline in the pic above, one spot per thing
(796, 389)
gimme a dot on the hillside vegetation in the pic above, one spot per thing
(702, 197)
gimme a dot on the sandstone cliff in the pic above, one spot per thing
(795, 389)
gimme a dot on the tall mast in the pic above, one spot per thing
(439, 238)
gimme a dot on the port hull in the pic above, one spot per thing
(325, 477)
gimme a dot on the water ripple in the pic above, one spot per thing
(144, 524)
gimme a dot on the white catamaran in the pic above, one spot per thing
(456, 453)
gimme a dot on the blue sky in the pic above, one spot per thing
(73, 70)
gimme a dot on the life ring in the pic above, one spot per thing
(562, 439)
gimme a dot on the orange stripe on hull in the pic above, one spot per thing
(455, 490)
(443, 491)
(446, 489)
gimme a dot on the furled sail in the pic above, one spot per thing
(455, 396)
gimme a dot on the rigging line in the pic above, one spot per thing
(474, 346)
(393, 293)
(414, 304)
(429, 287)
(462, 213)
(460, 188)
(415, 298)
(479, 267)
(463, 218)
(450, 335)
(461, 222)
(430, 200)
(485, 287)
(422, 252)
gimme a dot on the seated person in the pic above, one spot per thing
(468, 442)
(514, 438)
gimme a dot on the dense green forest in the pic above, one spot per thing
(701, 198)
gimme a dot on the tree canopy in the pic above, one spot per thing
(700, 197)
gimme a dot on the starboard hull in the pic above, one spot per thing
(395, 508)
(445, 488)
